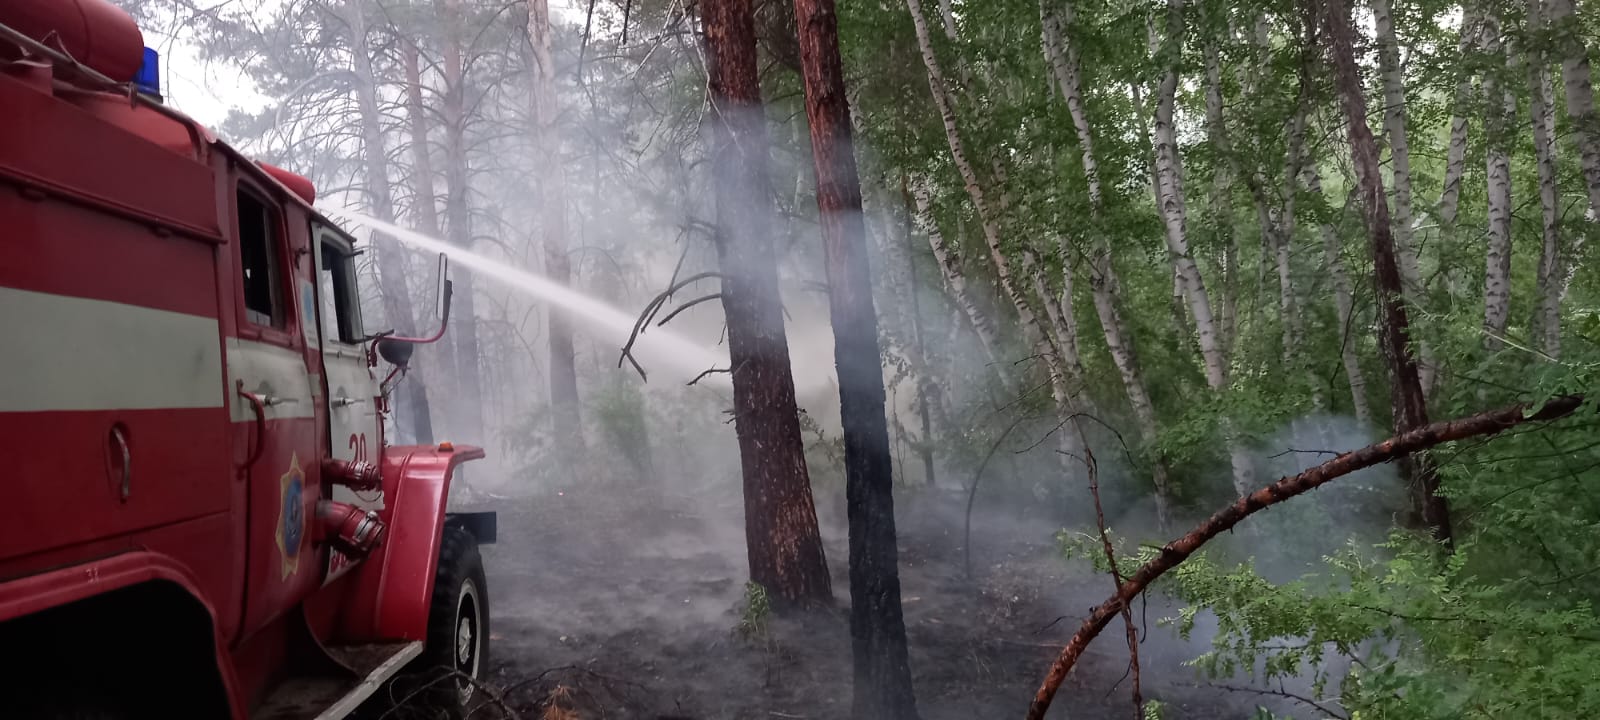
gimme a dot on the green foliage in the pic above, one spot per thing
(757, 610)
(1427, 636)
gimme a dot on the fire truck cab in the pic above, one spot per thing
(199, 515)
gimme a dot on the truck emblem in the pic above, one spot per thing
(291, 516)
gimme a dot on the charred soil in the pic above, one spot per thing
(606, 607)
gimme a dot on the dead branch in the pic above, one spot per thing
(1175, 552)
(686, 306)
(1111, 558)
(972, 493)
(649, 313)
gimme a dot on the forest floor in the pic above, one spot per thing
(608, 607)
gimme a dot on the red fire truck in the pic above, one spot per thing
(199, 515)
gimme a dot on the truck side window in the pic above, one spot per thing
(257, 232)
(341, 306)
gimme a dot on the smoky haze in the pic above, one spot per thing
(619, 576)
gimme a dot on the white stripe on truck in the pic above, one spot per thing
(63, 353)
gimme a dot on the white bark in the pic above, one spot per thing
(1394, 126)
(1344, 303)
(955, 280)
(1456, 154)
(1575, 77)
(1221, 201)
(1169, 195)
(1037, 337)
(1062, 57)
(1061, 322)
(1547, 318)
(1497, 254)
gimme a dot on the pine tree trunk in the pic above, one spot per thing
(1497, 256)
(1410, 408)
(1395, 127)
(882, 680)
(1546, 323)
(563, 369)
(1344, 304)
(458, 223)
(396, 295)
(783, 543)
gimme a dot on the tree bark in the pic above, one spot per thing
(563, 369)
(1455, 164)
(1169, 195)
(458, 221)
(1569, 46)
(1395, 127)
(1546, 323)
(1344, 304)
(1037, 336)
(783, 543)
(882, 678)
(1497, 255)
(1221, 200)
(1174, 553)
(1410, 407)
(929, 398)
(1065, 67)
(983, 325)
(391, 266)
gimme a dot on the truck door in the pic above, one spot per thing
(273, 405)
(350, 402)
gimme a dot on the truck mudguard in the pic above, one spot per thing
(394, 586)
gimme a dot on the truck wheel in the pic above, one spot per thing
(458, 624)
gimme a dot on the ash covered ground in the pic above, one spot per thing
(611, 605)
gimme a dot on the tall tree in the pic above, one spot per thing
(553, 228)
(1549, 289)
(397, 305)
(783, 543)
(1497, 135)
(458, 221)
(1410, 407)
(882, 686)
(1571, 50)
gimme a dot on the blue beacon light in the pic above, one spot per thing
(148, 79)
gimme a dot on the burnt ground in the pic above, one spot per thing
(632, 609)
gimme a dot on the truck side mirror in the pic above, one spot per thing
(442, 292)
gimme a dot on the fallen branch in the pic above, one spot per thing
(1175, 552)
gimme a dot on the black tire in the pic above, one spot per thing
(458, 628)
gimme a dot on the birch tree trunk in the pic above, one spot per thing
(1169, 194)
(1344, 304)
(1546, 323)
(1575, 77)
(1395, 127)
(1410, 408)
(1060, 390)
(396, 294)
(1065, 68)
(955, 280)
(1497, 255)
(563, 369)
(1221, 200)
(1455, 164)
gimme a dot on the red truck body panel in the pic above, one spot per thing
(164, 411)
